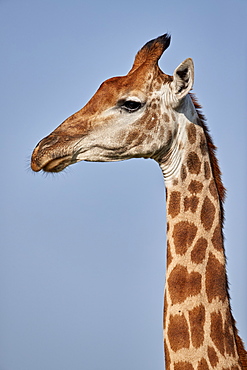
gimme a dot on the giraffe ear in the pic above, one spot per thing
(183, 79)
(151, 52)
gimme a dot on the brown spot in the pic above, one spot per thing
(183, 365)
(178, 332)
(217, 238)
(197, 320)
(154, 106)
(168, 255)
(191, 132)
(132, 136)
(161, 132)
(174, 204)
(183, 235)
(151, 122)
(156, 85)
(207, 213)
(193, 163)
(207, 172)
(183, 173)
(199, 251)
(191, 203)
(213, 190)
(229, 339)
(140, 138)
(167, 226)
(202, 365)
(213, 358)
(215, 279)
(217, 333)
(182, 284)
(203, 145)
(175, 182)
(166, 117)
(195, 187)
(155, 116)
(159, 81)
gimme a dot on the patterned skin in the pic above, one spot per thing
(153, 115)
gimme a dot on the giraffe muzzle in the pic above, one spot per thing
(48, 156)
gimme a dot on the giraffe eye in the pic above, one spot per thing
(131, 105)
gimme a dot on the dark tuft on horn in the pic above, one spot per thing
(164, 40)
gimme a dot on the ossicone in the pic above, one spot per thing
(151, 52)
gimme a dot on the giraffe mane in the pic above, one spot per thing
(212, 155)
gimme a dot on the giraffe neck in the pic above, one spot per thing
(199, 329)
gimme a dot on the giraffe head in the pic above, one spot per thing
(128, 117)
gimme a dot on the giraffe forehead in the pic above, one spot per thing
(113, 90)
(141, 85)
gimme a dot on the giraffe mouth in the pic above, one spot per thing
(58, 164)
(52, 165)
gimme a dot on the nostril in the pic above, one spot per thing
(48, 141)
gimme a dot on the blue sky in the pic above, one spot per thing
(83, 253)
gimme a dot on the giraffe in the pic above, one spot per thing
(150, 114)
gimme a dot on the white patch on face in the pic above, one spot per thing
(133, 98)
